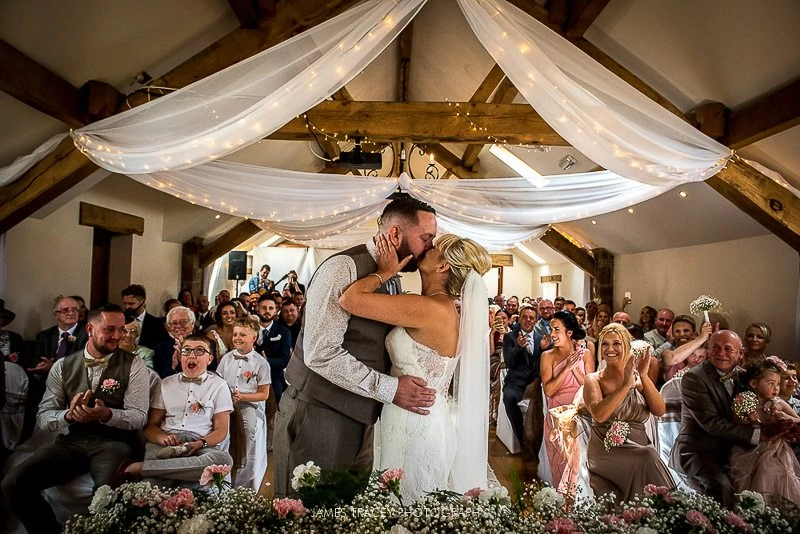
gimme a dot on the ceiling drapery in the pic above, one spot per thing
(171, 143)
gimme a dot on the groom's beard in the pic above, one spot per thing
(403, 252)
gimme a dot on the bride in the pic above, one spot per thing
(445, 448)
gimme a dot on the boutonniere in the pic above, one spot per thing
(109, 385)
(71, 339)
(247, 376)
(197, 407)
(13, 357)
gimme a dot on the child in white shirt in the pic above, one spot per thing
(248, 376)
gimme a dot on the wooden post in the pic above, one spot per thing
(603, 280)
(191, 272)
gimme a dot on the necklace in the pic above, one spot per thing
(437, 293)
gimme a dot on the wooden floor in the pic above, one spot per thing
(503, 463)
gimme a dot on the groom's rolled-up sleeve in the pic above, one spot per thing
(325, 323)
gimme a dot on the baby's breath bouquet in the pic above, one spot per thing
(704, 304)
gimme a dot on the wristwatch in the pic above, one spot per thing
(205, 443)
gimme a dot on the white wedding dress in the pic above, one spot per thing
(423, 445)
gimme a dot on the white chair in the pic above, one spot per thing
(12, 415)
(669, 426)
(504, 431)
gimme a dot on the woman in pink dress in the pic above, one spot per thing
(562, 369)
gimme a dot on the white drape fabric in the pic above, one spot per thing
(20, 166)
(335, 211)
(471, 389)
(237, 106)
(598, 113)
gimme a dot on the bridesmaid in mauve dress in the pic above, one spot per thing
(622, 392)
(562, 369)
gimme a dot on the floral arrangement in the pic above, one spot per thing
(109, 385)
(247, 376)
(71, 339)
(704, 304)
(539, 509)
(639, 349)
(617, 434)
(745, 405)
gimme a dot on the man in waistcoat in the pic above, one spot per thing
(102, 428)
(338, 373)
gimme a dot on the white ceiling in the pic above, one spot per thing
(691, 51)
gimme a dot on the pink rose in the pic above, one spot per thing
(284, 507)
(611, 519)
(737, 522)
(632, 515)
(474, 492)
(247, 375)
(183, 499)
(561, 525)
(13, 357)
(391, 476)
(109, 385)
(141, 502)
(663, 491)
(214, 472)
(698, 519)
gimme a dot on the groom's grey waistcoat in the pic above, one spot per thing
(364, 339)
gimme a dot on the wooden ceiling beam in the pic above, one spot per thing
(228, 241)
(425, 122)
(583, 15)
(770, 114)
(252, 14)
(559, 242)
(66, 166)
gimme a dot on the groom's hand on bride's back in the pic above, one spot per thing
(414, 395)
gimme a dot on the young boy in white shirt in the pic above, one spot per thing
(248, 376)
(188, 420)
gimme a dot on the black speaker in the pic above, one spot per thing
(237, 265)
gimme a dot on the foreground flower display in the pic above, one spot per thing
(141, 507)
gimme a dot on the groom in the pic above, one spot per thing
(338, 374)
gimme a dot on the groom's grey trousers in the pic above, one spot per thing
(304, 427)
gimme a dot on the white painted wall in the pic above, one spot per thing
(573, 281)
(755, 278)
(45, 257)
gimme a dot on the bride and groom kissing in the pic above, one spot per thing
(368, 351)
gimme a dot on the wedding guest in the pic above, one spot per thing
(134, 300)
(98, 398)
(563, 369)
(222, 332)
(205, 317)
(708, 430)
(292, 284)
(569, 305)
(521, 353)
(186, 298)
(248, 376)
(290, 318)
(542, 327)
(580, 314)
(620, 399)
(500, 300)
(601, 319)
(591, 311)
(647, 318)
(81, 308)
(661, 336)
(789, 386)
(675, 360)
(756, 338)
(559, 303)
(771, 467)
(274, 343)
(169, 304)
(11, 344)
(180, 324)
(512, 306)
(260, 281)
(128, 342)
(621, 317)
(188, 424)
(497, 330)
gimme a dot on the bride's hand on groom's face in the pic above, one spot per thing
(414, 395)
(388, 262)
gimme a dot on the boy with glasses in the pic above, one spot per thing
(187, 428)
(248, 376)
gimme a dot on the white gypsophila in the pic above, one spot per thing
(756, 498)
(646, 530)
(101, 499)
(498, 492)
(547, 497)
(198, 524)
(305, 475)
(639, 347)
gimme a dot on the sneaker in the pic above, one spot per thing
(173, 451)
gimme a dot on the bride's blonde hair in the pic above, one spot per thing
(463, 255)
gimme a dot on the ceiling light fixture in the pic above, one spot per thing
(630, 210)
(594, 222)
(567, 161)
(519, 166)
(683, 194)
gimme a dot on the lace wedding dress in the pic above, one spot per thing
(423, 445)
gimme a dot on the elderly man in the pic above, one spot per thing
(661, 336)
(67, 336)
(180, 324)
(621, 317)
(134, 299)
(98, 395)
(707, 428)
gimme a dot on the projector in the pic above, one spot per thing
(358, 159)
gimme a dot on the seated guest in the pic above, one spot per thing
(660, 337)
(222, 332)
(248, 376)
(789, 386)
(292, 284)
(675, 360)
(128, 342)
(521, 352)
(274, 343)
(299, 299)
(204, 316)
(621, 317)
(756, 339)
(189, 423)
(708, 430)
(171, 303)
(290, 318)
(186, 298)
(601, 319)
(647, 318)
(99, 396)
(11, 344)
(81, 308)
(771, 467)
(580, 314)
(180, 324)
(620, 462)
(66, 337)
(683, 331)
(134, 299)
